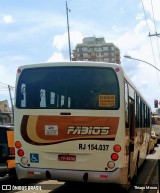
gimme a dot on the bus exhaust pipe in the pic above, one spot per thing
(48, 175)
(85, 177)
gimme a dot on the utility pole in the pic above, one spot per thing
(69, 44)
(9, 88)
(156, 34)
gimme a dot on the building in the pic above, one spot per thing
(96, 49)
(6, 115)
(4, 107)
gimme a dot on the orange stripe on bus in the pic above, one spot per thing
(33, 128)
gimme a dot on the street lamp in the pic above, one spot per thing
(129, 57)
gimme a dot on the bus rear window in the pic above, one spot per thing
(94, 88)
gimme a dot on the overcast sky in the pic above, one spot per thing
(35, 31)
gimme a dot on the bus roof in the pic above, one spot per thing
(70, 63)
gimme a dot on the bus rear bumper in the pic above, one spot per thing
(69, 175)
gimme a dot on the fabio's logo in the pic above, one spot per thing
(83, 130)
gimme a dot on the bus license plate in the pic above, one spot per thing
(66, 158)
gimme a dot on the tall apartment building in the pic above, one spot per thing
(96, 49)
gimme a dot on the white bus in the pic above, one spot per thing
(79, 121)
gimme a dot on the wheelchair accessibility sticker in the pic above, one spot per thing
(34, 157)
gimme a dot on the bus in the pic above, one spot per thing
(79, 122)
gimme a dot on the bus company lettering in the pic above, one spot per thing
(87, 130)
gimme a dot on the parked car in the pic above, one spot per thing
(7, 150)
(156, 128)
(151, 145)
(154, 137)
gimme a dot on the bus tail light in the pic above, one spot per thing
(114, 156)
(20, 152)
(117, 148)
(18, 144)
(12, 151)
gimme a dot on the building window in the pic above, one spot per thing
(112, 48)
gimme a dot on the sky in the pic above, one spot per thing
(36, 32)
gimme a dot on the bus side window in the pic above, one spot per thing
(126, 105)
(137, 105)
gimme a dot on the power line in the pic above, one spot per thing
(145, 15)
(150, 41)
(155, 29)
(156, 34)
(5, 85)
(153, 17)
